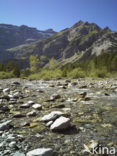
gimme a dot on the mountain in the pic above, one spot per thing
(79, 42)
(11, 36)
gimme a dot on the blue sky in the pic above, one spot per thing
(58, 14)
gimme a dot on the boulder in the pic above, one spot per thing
(60, 124)
(41, 152)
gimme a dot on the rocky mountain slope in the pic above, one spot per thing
(82, 40)
(11, 36)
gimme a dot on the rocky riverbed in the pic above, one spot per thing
(58, 117)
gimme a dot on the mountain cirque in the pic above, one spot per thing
(88, 107)
(78, 42)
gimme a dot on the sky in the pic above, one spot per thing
(58, 14)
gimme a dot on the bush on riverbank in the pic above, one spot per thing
(6, 75)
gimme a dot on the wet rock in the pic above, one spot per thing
(60, 124)
(37, 106)
(52, 116)
(41, 152)
(5, 125)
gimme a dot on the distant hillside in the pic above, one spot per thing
(11, 36)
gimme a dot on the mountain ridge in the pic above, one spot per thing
(83, 38)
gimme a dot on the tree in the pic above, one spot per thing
(52, 63)
(34, 64)
(1, 67)
(12, 66)
(114, 63)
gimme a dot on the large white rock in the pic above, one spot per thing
(60, 123)
(52, 116)
(41, 152)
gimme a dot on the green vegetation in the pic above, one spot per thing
(6, 75)
(46, 74)
(10, 70)
(104, 65)
(34, 64)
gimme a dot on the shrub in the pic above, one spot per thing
(6, 75)
(46, 74)
(76, 73)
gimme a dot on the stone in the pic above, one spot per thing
(32, 113)
(2, 144)
(27, 105)
(4, 108)
(30, 102)
(52, 116)
(5, 125)
(25, 124)
(6, 90)
(16, 95)
(37, 106)
(54, 97)
(12, 144)
(60, 123)
(18, 115)
(41, 152)
(16, 83)
(49, 123)
(10, 138)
